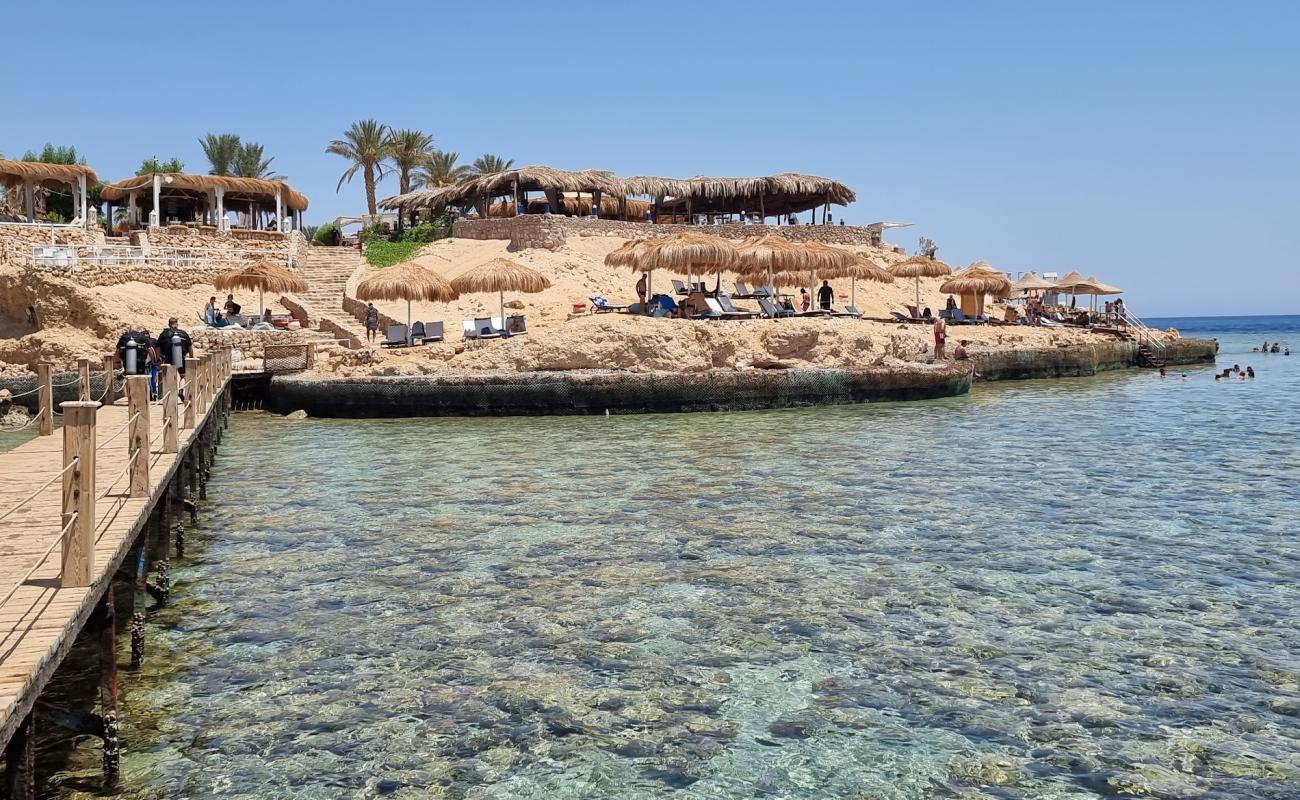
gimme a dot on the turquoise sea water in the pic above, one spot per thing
(1052, 589)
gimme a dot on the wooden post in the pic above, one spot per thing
(311, 355)
(78, 494)
(171, 409)
(110, 365)
(137, 408)
(46, 398)
(20, 761)
(191, 375)
(83, 379)
(105, 622)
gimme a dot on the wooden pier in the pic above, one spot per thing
(72, 508)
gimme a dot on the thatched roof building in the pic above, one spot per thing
(576, 204)
(25, 179)
(785, 193)
(183, 197)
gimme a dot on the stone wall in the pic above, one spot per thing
(251, 344)
(550, 231)
(268, 243)
(16, 240)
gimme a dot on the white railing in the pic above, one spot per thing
(1145, 335)
(56, 225)
(68, 257)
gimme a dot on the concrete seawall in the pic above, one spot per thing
(615, 392)
(1082, 360)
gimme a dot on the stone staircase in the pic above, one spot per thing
(327, 270)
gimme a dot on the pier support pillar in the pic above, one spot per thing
(78, 494)
(137, 408)
(83, 379)
(140, 600)
(110, 366)
(171, 409)
(105, 621)
(20, 761)
(45, 398)
(191, 383)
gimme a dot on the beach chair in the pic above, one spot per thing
(849, 311)
(730, 310)
(417, 331)
(600, 305)
(743, 292)
(770, 309)
(396, 336)
(679, 288)
(433, 332)
(515, 325)
(764, 291)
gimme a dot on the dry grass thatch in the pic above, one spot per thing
(783, 278)
(18, 172)
(264, 276)
(832, 262)
(978, 278)
(1104, 288)
(630, 254)
(1074, 283)
(920, 267)
(500, 275)
(1032, 282)
(570, 204)
(864, 269)
(256, 189)
(761, 254)
(480, 188)
(409, 281)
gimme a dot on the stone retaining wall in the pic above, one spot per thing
(607, 392)
(16, 240)
(1081, 360)
(251, 344)
(549, 231)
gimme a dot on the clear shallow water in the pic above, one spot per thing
(1059, 589)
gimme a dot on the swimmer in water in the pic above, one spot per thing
(1250, 372)
(1162, 372)
(1182, 377)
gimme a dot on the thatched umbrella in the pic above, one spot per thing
(763, 257)
(1032, 282)
(977, 280)
(408, 281)
(867, 269)
(500, 275)
(918, 267)
(264, 276)
(1103, 288)
(682, 252)
(1074, 283)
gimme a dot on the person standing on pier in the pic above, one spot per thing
(174, 346)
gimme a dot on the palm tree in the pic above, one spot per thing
(222, 150)
(250, 163)
(408, 149)
(441, 170)
(365, 144)
(489, 163)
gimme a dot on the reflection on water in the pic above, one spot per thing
(1069, 589)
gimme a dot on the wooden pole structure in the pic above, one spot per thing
(110, 365)
(20, 761)
(171, 409)
(105, 621)
(191, 376)
(137, 409)
(78, 494)
(46, 398)
(83, 379)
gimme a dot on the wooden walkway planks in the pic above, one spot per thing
(39, 622)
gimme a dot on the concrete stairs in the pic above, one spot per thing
(327, 270)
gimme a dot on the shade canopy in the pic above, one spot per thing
(769, 253)
(783, 193)
(410, 281)
(1032, 282)
(920, 267)
(784, 278)
(865, 268)
(630, 253)
(831, 262)
(257, 190)
(1073, 283)
(478, 189)
(500, 275)
(686, 251)
(1103, 288)
(264, 276)
(977, 279)
(51, 176)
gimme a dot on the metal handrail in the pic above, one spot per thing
(1145, 334)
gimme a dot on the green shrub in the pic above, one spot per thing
(325, 234)
(427, 232)
(382, 253)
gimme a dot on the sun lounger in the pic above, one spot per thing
(481, 328)
(397, 336)
(515, 325)
(724, 305)
(433, 332)
(600, 305)
(417, 331)
(743, 292)
(679, 288)
(771, 310)
(849, 311)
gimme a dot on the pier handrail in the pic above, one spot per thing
(1145, 334)
(43, 487)
(72, 520)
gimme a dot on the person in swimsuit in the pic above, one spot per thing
(940, 334)
(372, 322)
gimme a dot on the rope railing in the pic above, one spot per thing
(72, 520)
(130, 462)
(43, 487)
(122, 429)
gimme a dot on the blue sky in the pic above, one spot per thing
(1153, 144)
